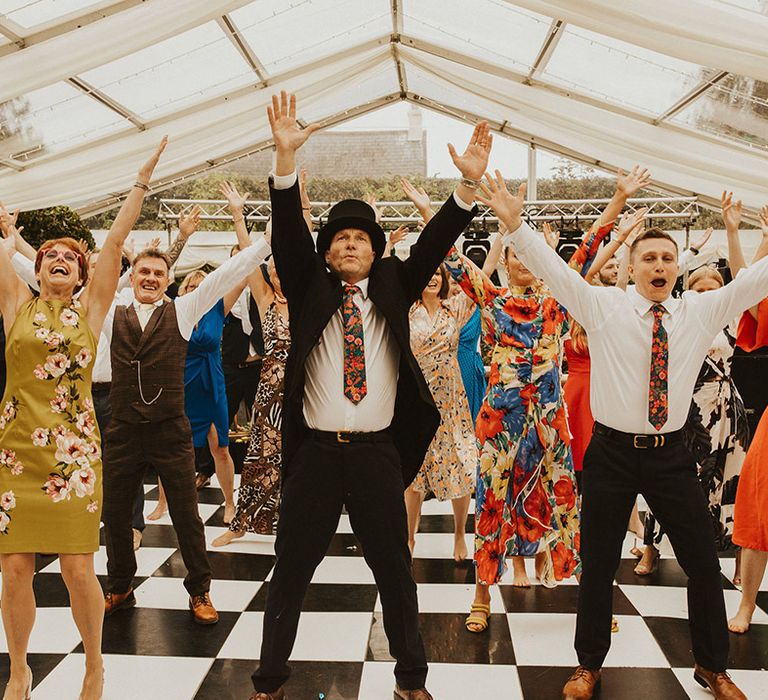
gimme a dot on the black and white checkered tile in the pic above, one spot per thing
(341, 652)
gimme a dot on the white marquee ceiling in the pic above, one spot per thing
(88, 86)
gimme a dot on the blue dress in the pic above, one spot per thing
(471, 364)
(205, 396)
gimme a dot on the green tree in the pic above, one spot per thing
(55, 222)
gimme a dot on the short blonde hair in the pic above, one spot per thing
(703, 273)
(196, 276)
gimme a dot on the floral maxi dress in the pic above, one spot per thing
(50, 455)
(259, 494)
(451, 461)
(525, 493)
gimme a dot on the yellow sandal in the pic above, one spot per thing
(474, 619)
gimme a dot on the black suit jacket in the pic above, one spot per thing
(314, 294)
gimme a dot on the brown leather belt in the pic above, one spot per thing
(344, 437)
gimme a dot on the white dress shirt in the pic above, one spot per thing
(619, 327)
(190, 308)
(325, 405)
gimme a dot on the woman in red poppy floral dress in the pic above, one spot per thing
(50, 457)
(525, 494)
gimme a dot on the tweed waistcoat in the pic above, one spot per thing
(147, 366)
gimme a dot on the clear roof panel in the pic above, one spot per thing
(736, 108)
(53, 119)
(283, 37)
(188, 68)
(622, 73)
(760, 6)
(493, 30)
(29, 13)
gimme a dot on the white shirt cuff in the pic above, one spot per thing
(461, 202)
(283, 182)
(518, 237)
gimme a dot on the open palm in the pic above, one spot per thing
(286, 130)
(474, 161)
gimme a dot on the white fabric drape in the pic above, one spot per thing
(108, 39)
(705, 32)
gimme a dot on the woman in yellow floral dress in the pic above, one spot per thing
(50, 458)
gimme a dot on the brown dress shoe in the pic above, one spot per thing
(117, 601)
(203, 610)
(278, 694)
(582, 683)
(420, 694)
(721, 685)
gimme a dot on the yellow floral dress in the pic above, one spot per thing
(451, 461)
(50, 455)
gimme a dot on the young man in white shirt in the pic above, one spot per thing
(646, 349)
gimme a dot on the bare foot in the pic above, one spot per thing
(160, 510)
(225, 538)
(93, 685)
(739, 623)
(520, 577)
(18, 685)
(229, 514)
(459, 548)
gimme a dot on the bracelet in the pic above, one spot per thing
(306, 209)
(141, 186)
(469, 182)
(695, 251)
(624, 242)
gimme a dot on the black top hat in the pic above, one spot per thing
(352, 213)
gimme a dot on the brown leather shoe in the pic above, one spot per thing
(117, 601)
(420, 694)
(203, 610)
(278, 694)
(721, 685)
(201, 481)
(582, 683)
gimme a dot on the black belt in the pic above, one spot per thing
(641, 441)
(344, 436)
(101, 387)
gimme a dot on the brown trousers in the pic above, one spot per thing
(131, 448)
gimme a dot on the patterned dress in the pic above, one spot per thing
(525, 492)
(50, 455)
(259, 493)
(451, 460)
(717, 434)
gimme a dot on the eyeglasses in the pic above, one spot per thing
(67, 255)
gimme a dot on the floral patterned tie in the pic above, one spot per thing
(657, 390)
(355, 387)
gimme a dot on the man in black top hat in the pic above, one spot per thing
(357, 413)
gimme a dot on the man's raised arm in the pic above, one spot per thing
(567, 285)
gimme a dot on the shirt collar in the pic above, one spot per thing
(362, 285)
(137, 304)
(643, 305)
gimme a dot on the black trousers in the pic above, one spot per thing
(666, 477)
(103, 408)
(322, 477)
(131, 449)
(241, 384)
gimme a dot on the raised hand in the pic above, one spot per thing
(417, 195)
(398, 235)
(731, 211)
(629, 222)
(235, 200)
(507, 206)
(552, 236)
(474, 161)
(188, 224)
(154, 243)
(286, 132)
(629, 184)
(146, 170)
(372, 201)
(763, 216)
(702, 240)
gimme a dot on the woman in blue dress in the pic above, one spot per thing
(471, 364)
(205, 396)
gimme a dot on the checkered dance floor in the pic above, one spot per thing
(156, 651)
